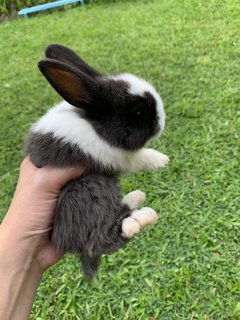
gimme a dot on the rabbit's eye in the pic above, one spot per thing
(136, 110)
(140, 108)
(139, 112)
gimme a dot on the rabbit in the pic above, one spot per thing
(102, 124)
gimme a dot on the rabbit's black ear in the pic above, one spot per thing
(74, 86)
(61, 53)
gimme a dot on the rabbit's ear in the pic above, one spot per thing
(61, 53)
(74, 86)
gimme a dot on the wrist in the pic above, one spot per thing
(20, 274)
(19, 286)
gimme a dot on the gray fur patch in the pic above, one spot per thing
(89, 216)
(88, 220)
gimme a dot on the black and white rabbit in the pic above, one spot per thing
(103, 124)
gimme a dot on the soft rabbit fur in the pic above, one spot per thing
(103, 125)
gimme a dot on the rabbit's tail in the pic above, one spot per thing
(90, 265)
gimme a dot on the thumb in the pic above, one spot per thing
(58, 177)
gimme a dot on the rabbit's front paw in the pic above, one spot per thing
(154, 160)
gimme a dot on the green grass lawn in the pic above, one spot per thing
(188, 265)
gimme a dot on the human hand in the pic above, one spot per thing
(26, 228)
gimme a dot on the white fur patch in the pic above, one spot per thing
(64, 123)
(138, 86)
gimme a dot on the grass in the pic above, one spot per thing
(188, 265)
